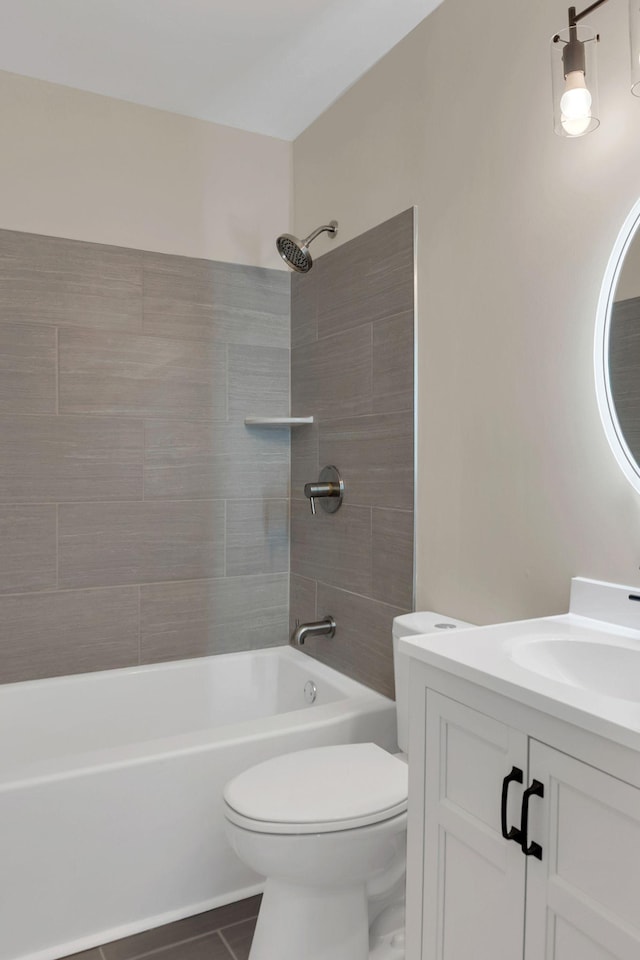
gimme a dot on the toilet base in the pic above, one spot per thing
(318, 924)
(312, 923)
(390, 947)
(386, 933)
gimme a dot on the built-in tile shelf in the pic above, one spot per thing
(277, 421)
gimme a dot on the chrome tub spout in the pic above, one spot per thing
(326, 628)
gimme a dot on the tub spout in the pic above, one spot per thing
(326, 627)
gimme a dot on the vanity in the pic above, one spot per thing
(524, 789)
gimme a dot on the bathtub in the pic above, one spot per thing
(111, 785)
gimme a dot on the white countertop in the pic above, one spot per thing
(485, 656)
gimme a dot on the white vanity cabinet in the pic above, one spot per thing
(473, 881)
(583, 897)
(473, 894)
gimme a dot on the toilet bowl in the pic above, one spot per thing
(320, 824)
(327, 828)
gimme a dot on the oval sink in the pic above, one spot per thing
(604, 668)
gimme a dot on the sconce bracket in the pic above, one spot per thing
(575, 17)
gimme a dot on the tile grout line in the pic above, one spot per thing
(92, 415)
(372, 364)
(226, 540)
(371, 549)
(77, 503)
(148, 583)
(57, 344)
(57, 546)
(141, 292)
(178, 943)
(214, 341)
(226, 943)
(236, 923)
(128, 417)
(144, 458)
(226, 379)
(161, 949)
(139, 624)
(361, 596)
(385, 318)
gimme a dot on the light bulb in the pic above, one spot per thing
(575, 103)
(576, 126)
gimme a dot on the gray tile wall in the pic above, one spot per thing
(352, 330)
(140, 520)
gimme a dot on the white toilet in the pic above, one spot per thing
(327, 828)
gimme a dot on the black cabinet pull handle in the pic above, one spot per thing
(530, 849)
(514, 777)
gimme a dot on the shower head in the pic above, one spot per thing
(295, 253)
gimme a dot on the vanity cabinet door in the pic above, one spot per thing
(583, 896)
(474, 879)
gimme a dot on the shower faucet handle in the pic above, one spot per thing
(313, 490)
(329, 489)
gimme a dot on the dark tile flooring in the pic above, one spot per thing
(222, 934)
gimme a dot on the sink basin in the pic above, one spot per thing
(581, 667)
(609, 669)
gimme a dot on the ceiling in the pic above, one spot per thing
(269, 66)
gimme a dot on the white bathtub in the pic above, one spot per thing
(111, 784)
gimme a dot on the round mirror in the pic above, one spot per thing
(617, 349)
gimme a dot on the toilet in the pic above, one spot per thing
(327, 827)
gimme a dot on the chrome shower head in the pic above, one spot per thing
(295, 253)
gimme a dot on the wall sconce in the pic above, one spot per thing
(574, 71)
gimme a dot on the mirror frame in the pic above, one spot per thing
(606, 405)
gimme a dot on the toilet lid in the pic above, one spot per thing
(319, 790)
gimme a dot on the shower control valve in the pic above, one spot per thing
(329, 489)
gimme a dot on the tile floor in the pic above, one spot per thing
(222, 934)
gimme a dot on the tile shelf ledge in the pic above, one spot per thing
(277, 421)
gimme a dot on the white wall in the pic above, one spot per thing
(517, 488)
(78, 165)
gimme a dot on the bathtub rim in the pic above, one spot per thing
(358, 699)
(283, 650)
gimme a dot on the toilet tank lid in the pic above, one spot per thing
(321, 785)
(424, 621)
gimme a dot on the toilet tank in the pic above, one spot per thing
(410, 625)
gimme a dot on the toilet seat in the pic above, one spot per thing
(320, 790)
